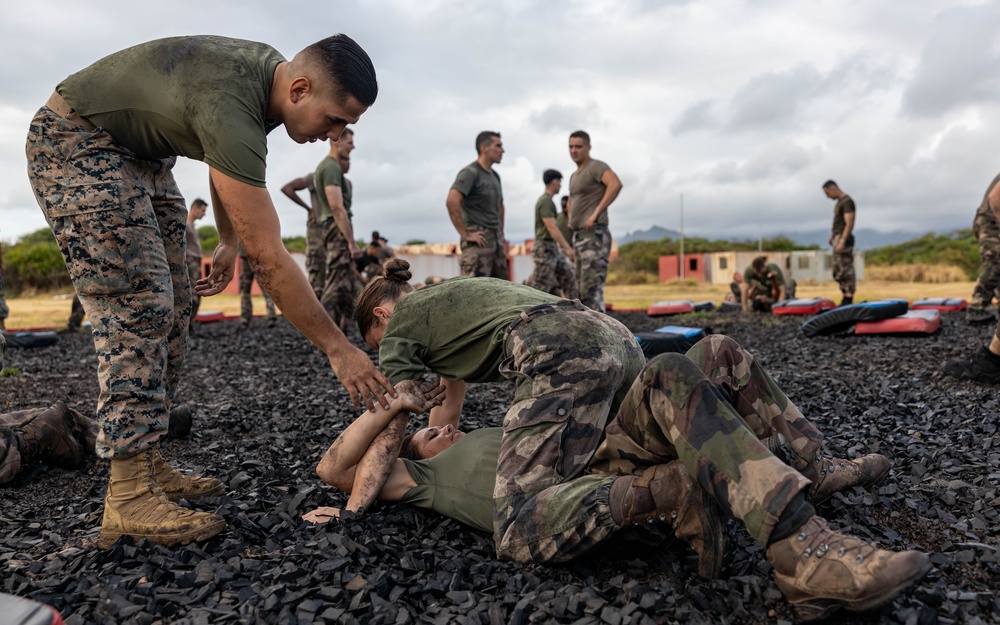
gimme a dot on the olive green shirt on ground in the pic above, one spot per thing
(459, 481)
(585, 192)
(330, 174)
(454, 328)
(844, 206)
(482, 196)
(545, 208)
(750, 277)
(202, 97)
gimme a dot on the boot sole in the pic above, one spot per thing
(816, 609)
(215, 492)
(107, 540)
(711, 561)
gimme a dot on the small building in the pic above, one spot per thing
(719, 267)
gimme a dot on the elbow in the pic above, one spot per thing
(328, 474)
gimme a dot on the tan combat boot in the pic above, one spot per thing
(832, 475)
(666, 493)
(820, 570)
(175, 485)
(135, 506)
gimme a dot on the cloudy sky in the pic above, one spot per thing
(743, 106)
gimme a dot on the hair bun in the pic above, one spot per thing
(398, 270)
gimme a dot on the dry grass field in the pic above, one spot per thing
(51, 311)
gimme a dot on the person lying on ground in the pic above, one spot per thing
(693, 440)
(57, 436)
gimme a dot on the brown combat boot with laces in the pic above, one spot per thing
(832, 475)
(667, 494)
(820, 570)
(135, 506)
(175, 485)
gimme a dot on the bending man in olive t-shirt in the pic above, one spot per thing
(118, 218)
(592, 189)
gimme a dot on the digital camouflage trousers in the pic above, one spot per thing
(316, 257)
(553, 272)
(119, 221)
(843, 267)
(987, 232)
(246, 293)
(709, 409)
(592, 249)
(342, 284)
(194, 274)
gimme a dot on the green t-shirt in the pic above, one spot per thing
(202, 97)
(459, 481)
(482, 196)
(455, 328)
(330, 174)
(562, 220)
(764, 281)
(844, 206)
(545, 208)
(585, 192)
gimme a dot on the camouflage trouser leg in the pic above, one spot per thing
(341, 283)
(120, 223)
(489, 261)
(194, 274)
(566, 284)
(4, 311)
(843, 268)
(76, 314)
(316, 257)
(674, 411)
(545, 255)
(592, 249)
(988, 234)
(572, 368)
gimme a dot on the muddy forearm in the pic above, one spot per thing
(375, 465)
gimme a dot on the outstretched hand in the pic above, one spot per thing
(223, 270)
(416, 398)
(365, 383)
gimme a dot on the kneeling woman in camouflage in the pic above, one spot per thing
(566, 479)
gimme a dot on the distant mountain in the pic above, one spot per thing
(654, 233)
(865, 239)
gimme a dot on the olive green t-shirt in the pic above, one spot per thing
(545, 208)
(562, 220)
(202, 97)
(585, 192)
(844, 206)
(459, 481)
(331, 174)
(482, 196)
(750, 277)
(455, 328)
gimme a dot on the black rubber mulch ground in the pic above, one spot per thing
(267, 407)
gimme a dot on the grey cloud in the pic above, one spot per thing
(773, 99)
(699, 116)
(775, 161)
(960, 63)
(565, 117)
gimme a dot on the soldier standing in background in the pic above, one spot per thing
(4, 311)
(475, 206)
(246, 293)
(842, 241)
(315, 246)
(548, 239)
(192, 254)
(335, 194)
(987, 232)
(592, 189)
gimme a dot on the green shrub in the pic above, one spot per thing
(958, 248)
(34, 263)
(209, 238)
